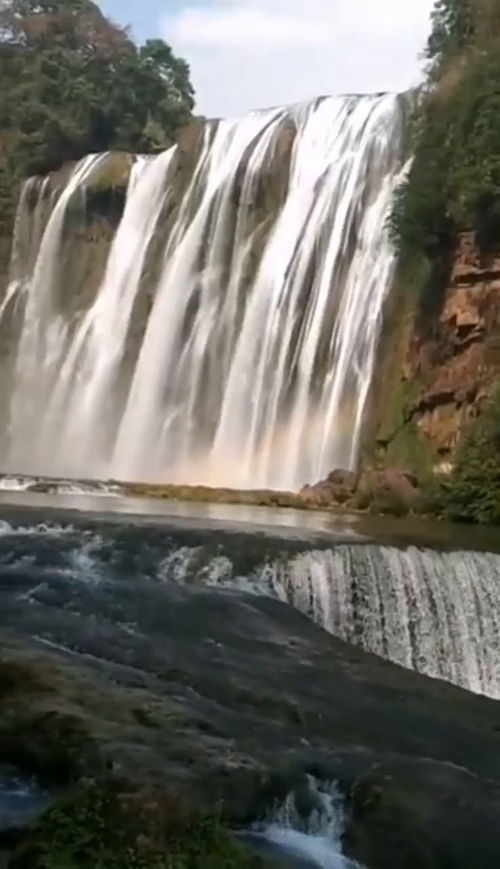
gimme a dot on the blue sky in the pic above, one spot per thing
(145, 16)
(248, 54)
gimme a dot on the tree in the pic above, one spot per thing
(72, 82)
(453, 28)
(454, 182)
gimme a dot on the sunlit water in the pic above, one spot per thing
(232, 339)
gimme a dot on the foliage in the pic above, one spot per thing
(74, 83)
(96, 827)
(453, 28)
(472, 493)
(454, 182)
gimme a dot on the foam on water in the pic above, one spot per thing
(314, 836)
(15, 484)
(435, 612)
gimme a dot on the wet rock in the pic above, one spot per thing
(187, 704)
(455, 828)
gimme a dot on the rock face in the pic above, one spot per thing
(436, 374)
(213, 695)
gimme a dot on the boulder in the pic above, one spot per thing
(387, 490)
(338, 488)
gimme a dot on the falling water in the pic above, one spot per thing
(308, 827)
(232, 338)
(44, 336)
(434, 612)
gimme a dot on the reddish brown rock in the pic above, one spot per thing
(338, 488)
(447, 361)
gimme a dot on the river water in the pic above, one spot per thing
(425, 596)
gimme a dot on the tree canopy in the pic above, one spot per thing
(453, 29)
(72, 82)
(454, 183)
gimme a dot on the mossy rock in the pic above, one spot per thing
(102, 826)
(111, 173)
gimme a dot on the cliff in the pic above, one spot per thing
(438, 363)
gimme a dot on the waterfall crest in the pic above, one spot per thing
(434, 612)
(232, 338)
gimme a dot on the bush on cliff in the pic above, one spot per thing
(472, 493)
(98, 826)
(454, 182)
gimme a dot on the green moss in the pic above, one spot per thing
(472, 493)
(98, 827)
(410, 449)
(394, 439)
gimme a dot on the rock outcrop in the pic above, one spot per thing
(438, 369)
(386, 490)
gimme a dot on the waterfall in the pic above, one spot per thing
(308, 828)
(232, 338)
(434, 612)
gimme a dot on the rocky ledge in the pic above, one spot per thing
(138, 708)
(389, 490)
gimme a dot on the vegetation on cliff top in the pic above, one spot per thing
(454, 183)
(74, 83)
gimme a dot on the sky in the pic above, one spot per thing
(247, 54)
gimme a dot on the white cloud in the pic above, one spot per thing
(246, 27)
(254, 53)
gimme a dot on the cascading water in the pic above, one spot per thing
(260, 274)
(434, 612)
(307, 828)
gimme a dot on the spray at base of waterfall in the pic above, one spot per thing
(306, 829)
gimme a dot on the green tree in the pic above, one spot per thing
(454, 182)
(453, 29)
(72, 82)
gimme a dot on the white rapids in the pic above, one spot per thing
(313, 839)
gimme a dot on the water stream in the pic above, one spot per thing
(306, 830)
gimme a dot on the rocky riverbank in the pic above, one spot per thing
(175, 699)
